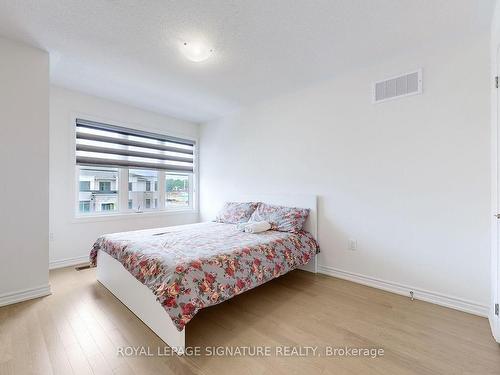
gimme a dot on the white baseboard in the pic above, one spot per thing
(495, 326)
(24, 295)
(53, 264)
(420, 294)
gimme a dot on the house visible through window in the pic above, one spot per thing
(97, 185)
(122, 170)
(142, 195)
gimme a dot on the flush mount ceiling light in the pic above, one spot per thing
(196, 51)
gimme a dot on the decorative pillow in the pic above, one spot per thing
(284, 219)
(236, 212)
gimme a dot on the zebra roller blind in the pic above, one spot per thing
(115, 146)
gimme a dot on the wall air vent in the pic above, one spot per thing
(398, 87)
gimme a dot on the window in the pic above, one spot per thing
(177, 191)
(123, 170)
(107, 206)
(142, 195)
(104, 185)
(84, 185)
(98, 189)
(84, 206)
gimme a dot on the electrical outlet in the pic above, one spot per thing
(352, 244)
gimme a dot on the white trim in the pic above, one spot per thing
(123, 176)
(61, 263)
(496, 335)
(494, 255)
(420, 294)
(24, 295)
(162, 193)
(130, 215)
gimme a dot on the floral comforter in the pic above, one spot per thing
(190, 267)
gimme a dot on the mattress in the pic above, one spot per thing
(189, 267)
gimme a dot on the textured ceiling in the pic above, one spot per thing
(127, 50)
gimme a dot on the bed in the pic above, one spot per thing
(206, 264)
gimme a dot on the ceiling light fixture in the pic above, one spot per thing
(196, 51)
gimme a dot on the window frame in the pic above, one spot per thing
(122, 186)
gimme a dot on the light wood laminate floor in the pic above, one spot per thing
(79, 328)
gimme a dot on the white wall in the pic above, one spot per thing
(408, 179)
(72, 239)
(24, 151)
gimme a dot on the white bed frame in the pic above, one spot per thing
(142, 302)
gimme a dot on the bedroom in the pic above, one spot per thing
(153, 115)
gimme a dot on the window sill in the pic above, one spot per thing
(130, 215)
